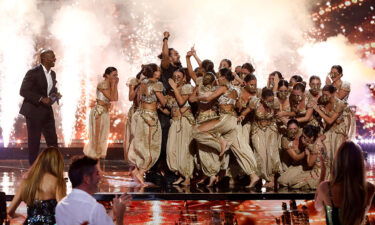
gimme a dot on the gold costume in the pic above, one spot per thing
(128, 134)
(179, 153)
(98, 125)
(145, 147)
(265, 139)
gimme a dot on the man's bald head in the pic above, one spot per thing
(47, 58)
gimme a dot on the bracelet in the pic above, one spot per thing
(165, 39)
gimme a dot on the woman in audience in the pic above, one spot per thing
(41, 189)
(347, 196)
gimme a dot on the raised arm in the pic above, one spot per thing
(191, 72)
(199, 61)
(165, 51)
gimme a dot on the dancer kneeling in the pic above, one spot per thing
(314, 169)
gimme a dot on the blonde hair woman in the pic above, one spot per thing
(347, 196)
(42, 188)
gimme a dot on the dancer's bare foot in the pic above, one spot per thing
(254, 179)
(213, 180)
(178, 181)
(269, 184)
(202, 180)
(133, 172)
(139, 177)
(224, 146)
(186, 182)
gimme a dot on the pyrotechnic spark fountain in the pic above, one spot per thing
(16, 56)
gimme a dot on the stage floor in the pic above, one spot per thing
(188, 205)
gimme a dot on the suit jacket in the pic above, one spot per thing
(34, 86)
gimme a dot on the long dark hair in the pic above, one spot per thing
(338, 68)
(109, 70)
(149, 69)
(349, 171)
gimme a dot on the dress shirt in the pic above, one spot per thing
(49, 79)
(79, 207)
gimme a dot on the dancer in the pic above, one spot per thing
(294, 80)
(99, 121)
(264, 134)
(179, 153)
(170, 62)
(231, 135)
(285, 111)
(342, 93)
(336, 125)
(133, 85)
(315, 170)
(301, 106)
(342, 87)
(273, 80)
(145, 148)
(315, 90)
(248, 92)
(291, 157)
(206, 113)
(40, 93)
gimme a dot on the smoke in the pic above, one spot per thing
(317, 59)
(20, 22)
(266, 33)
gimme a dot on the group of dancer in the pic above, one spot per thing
(205, 124)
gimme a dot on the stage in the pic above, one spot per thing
(176, 204)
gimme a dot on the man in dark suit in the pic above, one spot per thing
(39, 91)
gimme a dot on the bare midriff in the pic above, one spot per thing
(149, 106)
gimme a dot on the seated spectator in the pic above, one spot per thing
(347, 196)
(79, 207)
(41, 189)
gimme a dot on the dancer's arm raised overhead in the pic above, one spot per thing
(194, 52)
(165, 61)
(191, 72)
